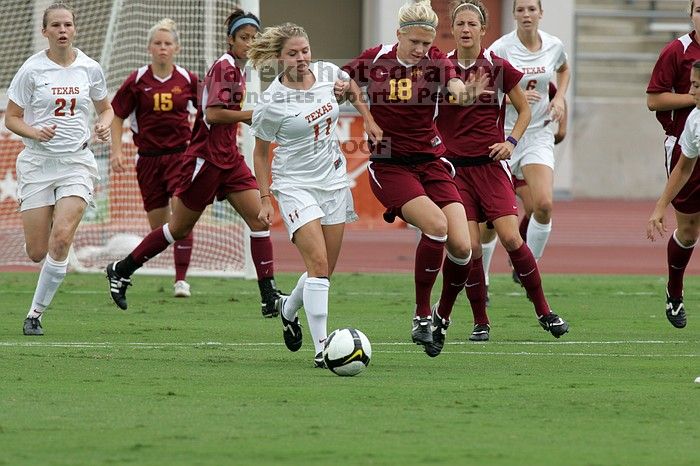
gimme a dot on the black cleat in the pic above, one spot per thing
(117, 286)
(269, 294)
(675, 311)
(291, 330)
(421, 333)
(480, 332)
(438, 328)
(319, 363)
(32, 326)
(554, 324)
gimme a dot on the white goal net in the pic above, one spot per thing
(114, 33)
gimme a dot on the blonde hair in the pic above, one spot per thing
(267, 46)
(167, 25)
(474, 5)
(690, 7)
(419, 14)
(62, 6)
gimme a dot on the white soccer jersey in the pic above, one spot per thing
(540, 68)
(51, 94)
(303, 124)
(690, 138)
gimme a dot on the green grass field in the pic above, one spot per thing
(207, 380)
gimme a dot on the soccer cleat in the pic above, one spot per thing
(438, 328)
(269, 294)
(117, 286)
(319, 363)
(181, 289)
(421, 333)
(32, 326)
(291, 330)
(675, 311)
(480, 332)
(554, 324)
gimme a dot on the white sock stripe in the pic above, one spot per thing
(540, 226)
(260, 234)
(50, 260)
(459, 261)
(675, 238)
(168, 236)
(439, 239)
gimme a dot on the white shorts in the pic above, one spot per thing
(535, 147)
(299, 206)
(42, 180)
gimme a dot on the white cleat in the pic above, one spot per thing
(181, 289)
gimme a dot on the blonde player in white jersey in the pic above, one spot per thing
(49, 106)
(299, 111)
(542, 58)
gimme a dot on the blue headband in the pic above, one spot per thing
(416, 23)
(242, 22)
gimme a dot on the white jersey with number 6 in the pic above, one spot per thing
(51, 94)
(303, 123)
(540, 68)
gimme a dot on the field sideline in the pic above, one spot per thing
(208, 381)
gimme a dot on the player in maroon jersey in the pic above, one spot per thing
(668, 96)
(157, 97)
(213, 168)
(406, 172)
(478, 148)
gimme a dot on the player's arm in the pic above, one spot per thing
(557, 106)
(503, 150)
(221, 116)
(105, 115)
(117, 158)
(467, 92)
(665, 101)
(261, 166)
(561, 130)
(357, 98)
(678, 178)
(14, 121)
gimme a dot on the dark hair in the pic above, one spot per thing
(456, 5)
(539, 3)
(235, 15)
(56, 6)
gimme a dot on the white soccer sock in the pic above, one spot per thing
(316, 307)
(537, 236)
(50, 278)
(295, 299)
(487, 250)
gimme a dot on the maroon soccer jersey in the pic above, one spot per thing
(672, 74)
(224, 86)
(469, 131)
(402, 98)
(159, 107)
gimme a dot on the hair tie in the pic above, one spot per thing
(416, 23)
(242, 22)
(472, 6)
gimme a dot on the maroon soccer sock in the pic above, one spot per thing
(182, 254)
(525, 266)
(454, 277)
(427, 266)
(678, 258)
(261, 250)
(523, 227)
(476, 292)
(153, 244)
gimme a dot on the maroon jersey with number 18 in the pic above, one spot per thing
(160, 107)
(402, 98)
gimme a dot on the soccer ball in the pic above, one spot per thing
(347, 351)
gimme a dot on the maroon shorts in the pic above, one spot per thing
(688, 199)
(395, 185)
(203, 181)
(487, 191)
(158, 178)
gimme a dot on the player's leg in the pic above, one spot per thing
(679, 250)
(247, 204)
(525, 266)
(488, 246)
(540, 180)
(476, 286)
(66, 217)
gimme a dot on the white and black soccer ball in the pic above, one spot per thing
(347, 351)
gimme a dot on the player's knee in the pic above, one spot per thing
(476, 248)
(36, 254)
(436, 227)
(461, 250)
(687, 235)
(511, 242)
(543, 209)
